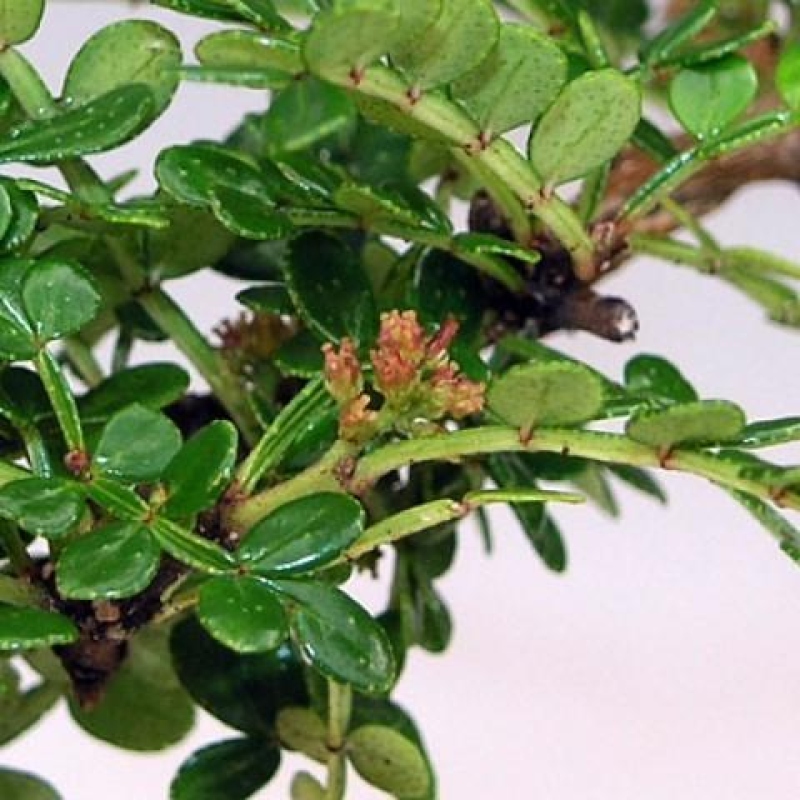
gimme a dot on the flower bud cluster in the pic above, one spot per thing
(411, 371)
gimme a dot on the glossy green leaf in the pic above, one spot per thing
(301, 356)
(152, 385)
(23, 786)
(245, 692)
(769, 432)
(242, 613)
(302, 535)
(19, 20)
(248, 216)
(191, 173)
(201, 470)
(114, 561)
(510, 470)
(303, 730)
(586, 126)
(434, 623)
(787, 75)
(639, 479)
(126, 52)
(389, 761)
(59, 298)
(144, 708)
(781, 528)
(20, 711)
(330, 289)
(16, 335)
(546, 394)
(49, 507)
(102, 124)
(25, 212)
(307, 111)
(350, 35)
(462, 35)
(704, 421)
(262, 13)
(338, 636)
(6, 210)
(272, 298)
(208, 9)
(122, 501)
(516, 82)
(656, 377)
(251, 52)
(675, 35)
(191, 549)
(136, 445)
(234, 769)
(31, 628)
(709, 97)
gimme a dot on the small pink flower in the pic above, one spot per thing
(455, 394)
(440, 342)
(358, 422)
(343, 375)
(402, 334)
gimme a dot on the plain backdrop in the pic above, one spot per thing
(664, 664)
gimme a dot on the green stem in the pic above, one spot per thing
(36, 451)
(171, 318)
(82, 360)
(340, 704)
(15, 548)
(62, 399)
(498, 163)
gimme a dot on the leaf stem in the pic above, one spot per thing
(15, 548)
(340, 704)
(61, 398)
(82, 360)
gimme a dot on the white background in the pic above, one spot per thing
(666, 662)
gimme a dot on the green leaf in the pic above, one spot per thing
(144, 708)
(16, 335)
(121, 501)
(386, 759)
(136, 445)
(656, 377)
(6, 210)
(766, 433)
(193, 173)
(416, 17)
(248, 216)
(20, 711)
(114, 561)
(307, 111)
(349, 36)
(261, 13)
(49, 507)
(787, 75)
(21, 785)
(669, 40)
(102, 124)
(458, 40)
(301, 356)
(59, 298)
(434, 623)
(330, 289)
(271, 298)
(131, 51)
(302, 535)
(153, 385)
(201, 470)
(786, 534)
(245, 692)
(305, 786)
(546, 394)
(203, 554)
(31, 628)
(510, 470)
(587, 125)
(234, 769)
(338, 636)
(709, 97)
(25, 208)
(208, 9)
(701, 422)
(639, 479)
(251, 53)
(516, 82)
(301, 729)
(242, 613)
(19, 21)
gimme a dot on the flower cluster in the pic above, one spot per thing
(412, 372)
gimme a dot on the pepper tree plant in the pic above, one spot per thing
(389, 375)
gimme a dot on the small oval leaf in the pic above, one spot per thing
(547, 394)
(704, 421)
(389, 761)
(131, 51)
(303, 730)
(19, 20)
(22, 786)
(656, 377)
(587, 125)
(114, 561)
(49, 507)
(338, 636)
(787, 75)
(31, 628)
(242, 613)
(302, 535)
(709, 97)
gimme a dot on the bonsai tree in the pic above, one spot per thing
(390, 373)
